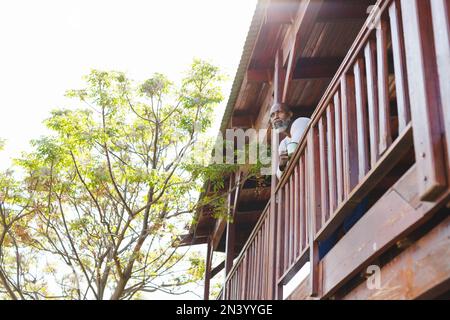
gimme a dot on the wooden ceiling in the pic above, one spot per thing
(325, 42)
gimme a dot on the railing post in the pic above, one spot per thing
(424, 97)
(349, 133)
(314, 209)
(440, 10)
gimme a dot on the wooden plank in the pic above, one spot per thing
(314, 207)
(388, 220)
(257, 264)
(286, 227)
(415, 272)
(331, 159)
(323, 171)
(349, 134)
(338, 136)
(291, 220)
(383, 87)
(361, 119)
(302, 291)
(441, 23)
(302, 204)
(280, 233)
(307, 196)
(296, 212)
(266, 256)
(424, 97)
(372, 100)
(252, 268)
(259, 75)
(398, 50)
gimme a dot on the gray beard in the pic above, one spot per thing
(282, 126)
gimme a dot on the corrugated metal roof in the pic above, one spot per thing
(250, 42)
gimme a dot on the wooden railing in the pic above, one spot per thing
(249, 278)
(360, 130)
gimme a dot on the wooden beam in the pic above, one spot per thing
(241, 121)
(301, 28)
(252, 195)
(278, 78)
(217, 269)
(416, 272)
(190, 240)
(387, 221)
(217, 234)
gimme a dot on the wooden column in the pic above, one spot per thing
(275, 292)
(209, 253)
(424, 97)
(231, 226)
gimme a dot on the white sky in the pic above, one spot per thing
(47, 45)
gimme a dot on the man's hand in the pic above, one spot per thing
(284, 158)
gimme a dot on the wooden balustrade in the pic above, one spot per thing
(360, 129)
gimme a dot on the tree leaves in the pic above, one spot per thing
(111, 189)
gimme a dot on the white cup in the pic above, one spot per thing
(291, 147)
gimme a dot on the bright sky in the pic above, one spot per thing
(47, 45)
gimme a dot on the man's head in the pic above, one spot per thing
(280, 117)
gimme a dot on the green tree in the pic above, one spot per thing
(114, 187)
(19, 276)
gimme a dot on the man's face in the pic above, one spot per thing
(280, 119)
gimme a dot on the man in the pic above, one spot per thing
(281, 118)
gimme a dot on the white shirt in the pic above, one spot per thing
(297, 130)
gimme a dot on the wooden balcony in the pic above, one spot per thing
(380, 136)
